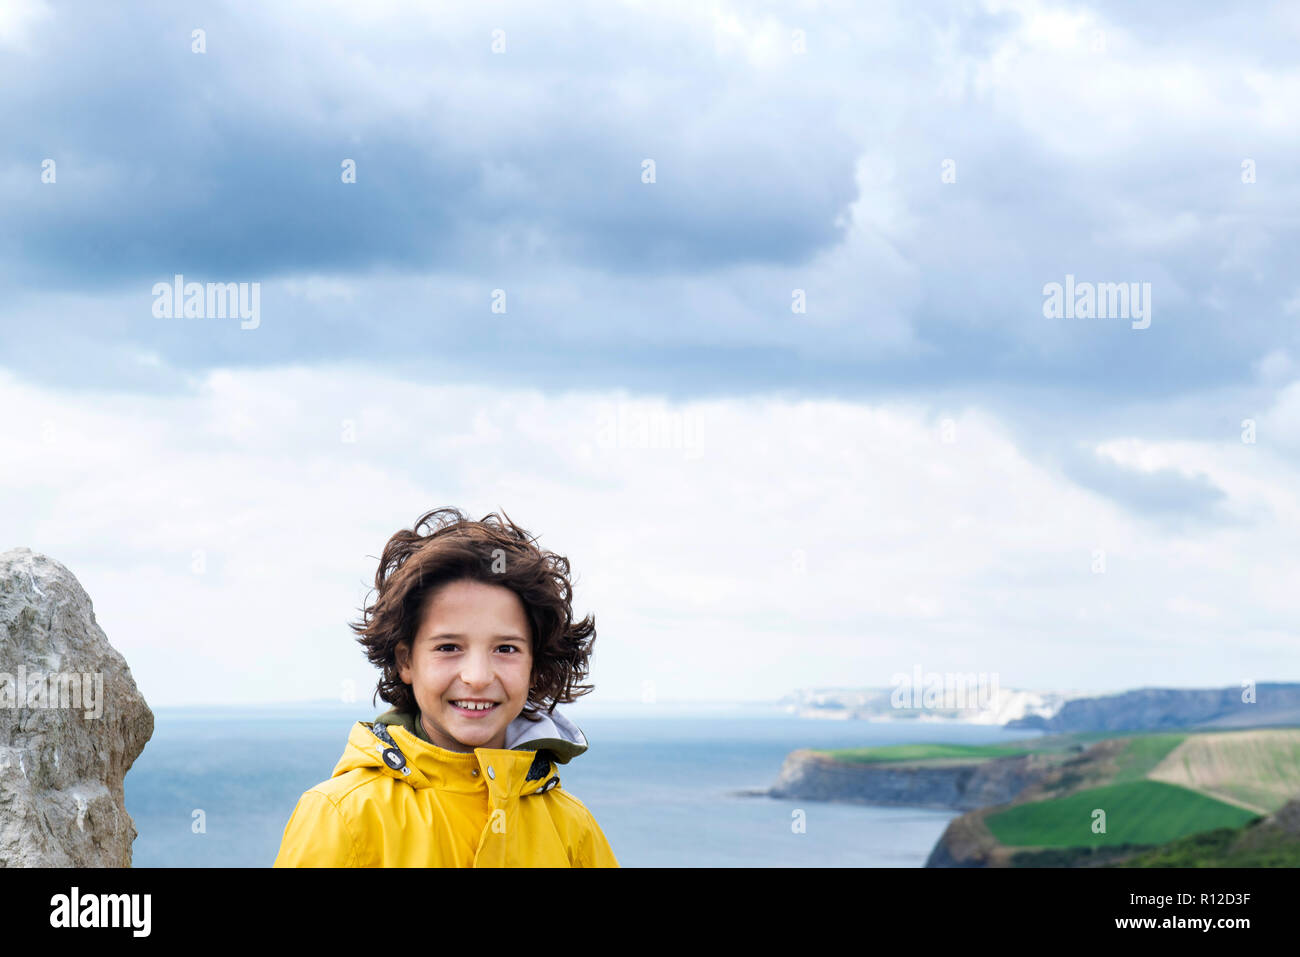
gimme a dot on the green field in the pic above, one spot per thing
(925, 752)
(1143, 754)
(1258, 768)
(1137, 812)
(1174, 798)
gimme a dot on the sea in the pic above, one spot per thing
(215, 787)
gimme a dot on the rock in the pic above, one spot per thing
(72, 722)
(1280, 827)
(1286, 819)
(966, 842)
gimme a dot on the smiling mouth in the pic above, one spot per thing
(475, 707)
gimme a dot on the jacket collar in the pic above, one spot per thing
(389, 745)
(554, 732)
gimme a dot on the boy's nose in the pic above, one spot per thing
(477, 671)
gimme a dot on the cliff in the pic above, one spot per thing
(1153, 709)
(951, 784)
(967, 841)
(72, 722)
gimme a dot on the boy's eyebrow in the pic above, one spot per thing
(495, 638)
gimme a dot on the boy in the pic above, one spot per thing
(472, 629)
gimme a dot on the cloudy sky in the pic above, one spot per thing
(741, 307)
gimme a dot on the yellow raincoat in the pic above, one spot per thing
(395, 800)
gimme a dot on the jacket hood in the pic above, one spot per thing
(390, 745)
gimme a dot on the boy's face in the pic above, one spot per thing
(472, 643)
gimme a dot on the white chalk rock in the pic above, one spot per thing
(72, 722)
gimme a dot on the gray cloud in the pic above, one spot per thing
(775, 172)
(1163, 495)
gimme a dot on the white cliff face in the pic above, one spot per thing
(879, 704)
(72, 722)
(1010, 705)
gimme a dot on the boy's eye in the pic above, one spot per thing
(499, 647)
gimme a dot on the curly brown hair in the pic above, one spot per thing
(444, 546)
